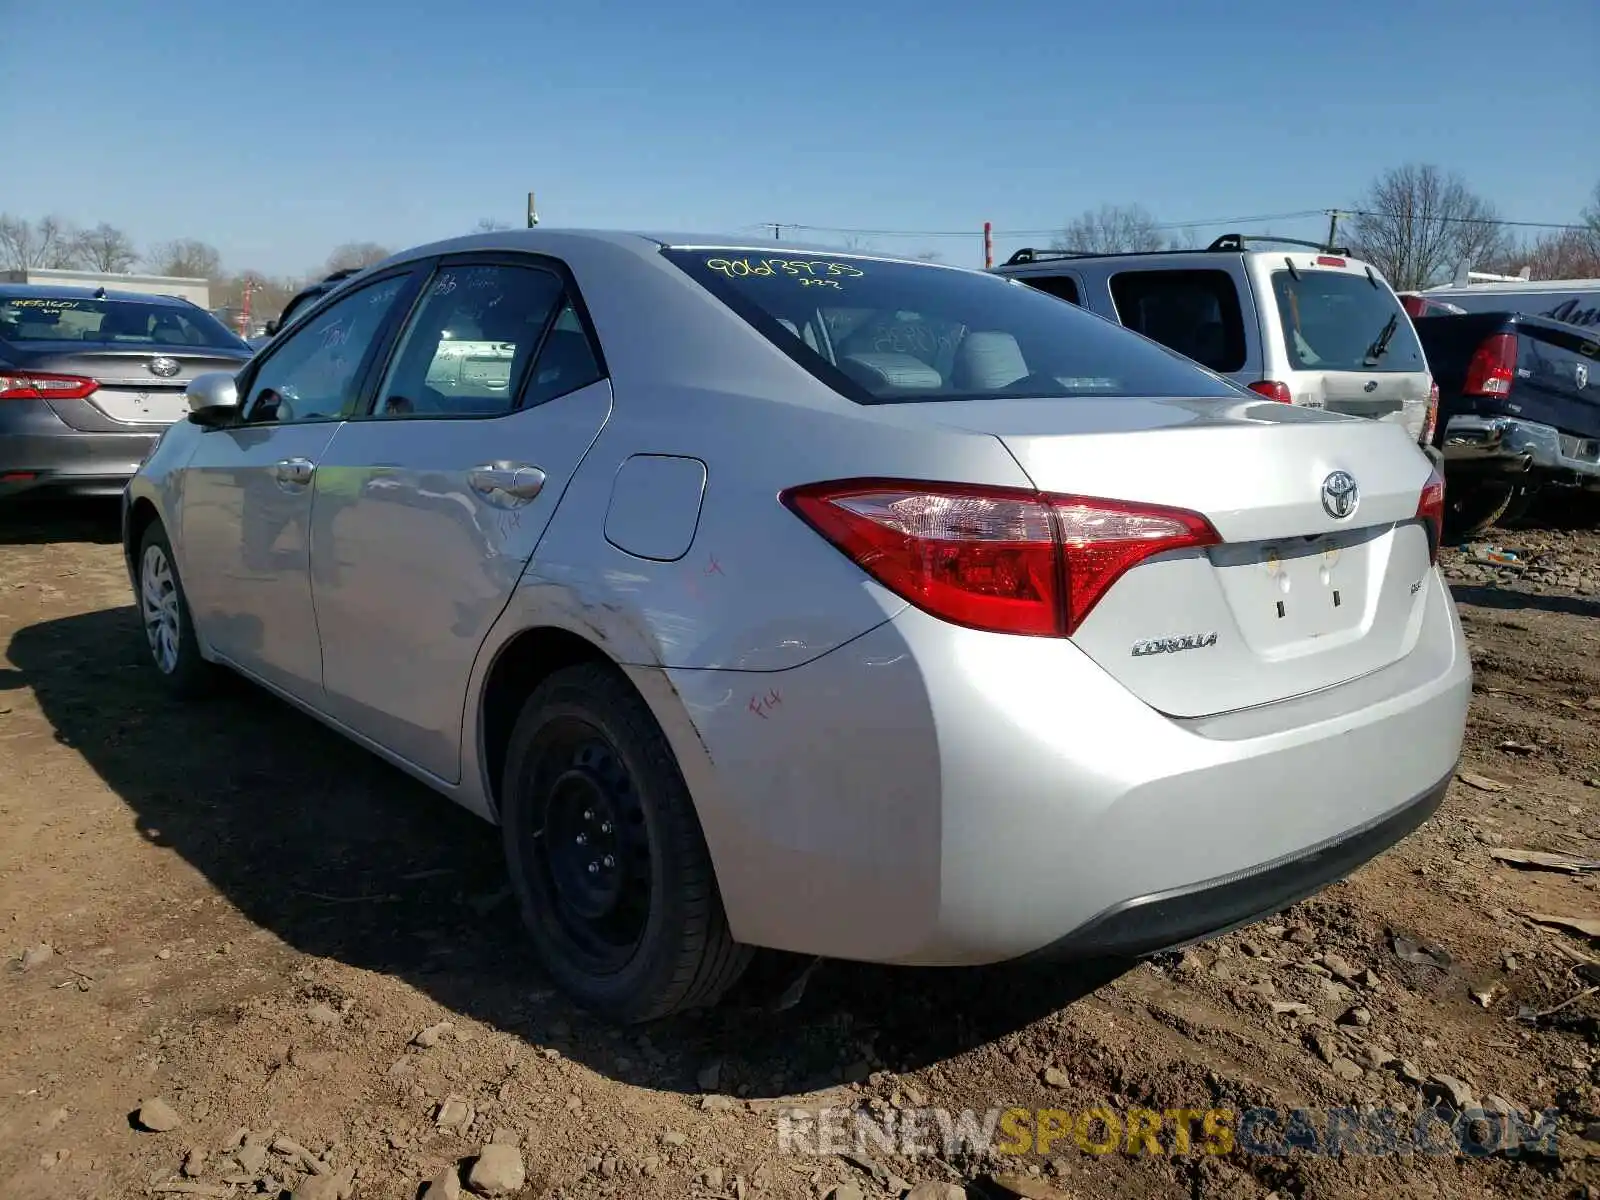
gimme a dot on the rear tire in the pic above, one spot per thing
(164, 616)
(1472, 508)
(606, 855)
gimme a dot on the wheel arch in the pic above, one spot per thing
(142, 513)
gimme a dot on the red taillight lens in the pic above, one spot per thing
(34, 385)
(1430, 509)
(1493, 366)
(998, 559)
(1430, 424)
(1328, 260)
(1273, 390)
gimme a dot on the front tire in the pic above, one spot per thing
(606, 855)
(164, 614)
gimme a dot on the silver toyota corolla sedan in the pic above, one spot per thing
(769, 596)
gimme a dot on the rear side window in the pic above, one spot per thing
(1195, 312)
(112, 322)
(891, 332)
(1342, 321)
(1062, 287)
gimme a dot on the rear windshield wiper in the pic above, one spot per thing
(1381, 347)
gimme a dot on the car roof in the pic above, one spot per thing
(20, 291)
(644, 243)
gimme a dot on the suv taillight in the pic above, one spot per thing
(1004, 560)
(35, 385)
(1430, 509)
(1430, 423)
(1273, 390)
(1493, 366)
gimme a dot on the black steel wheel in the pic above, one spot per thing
(606, 855)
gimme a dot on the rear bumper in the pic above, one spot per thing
(1167, 920)
(40, 451)
(928, 795)
(1512, 446)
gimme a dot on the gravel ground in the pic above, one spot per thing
(244, 958)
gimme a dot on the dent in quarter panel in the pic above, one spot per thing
(655, 506)
(822, 812)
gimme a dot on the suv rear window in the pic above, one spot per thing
(886, 332)
(1196, 312)
(111, 322)
(1342, 321)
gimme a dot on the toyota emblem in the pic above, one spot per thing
(1340, 495)
(164, 367)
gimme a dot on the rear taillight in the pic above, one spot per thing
(1430, 510)
(1273, 390)
(1430, 423)
(1493, 366)
(1003, 560)
(1329, 260)
(34, 385)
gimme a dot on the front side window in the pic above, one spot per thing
(64, 321)
(1195, 312)
(885, 332)
(1343, 321)
(314, 374)
(468, 345)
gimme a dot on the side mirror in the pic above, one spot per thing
(213, 398)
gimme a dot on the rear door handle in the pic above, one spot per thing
(511, 479)
(294, 470)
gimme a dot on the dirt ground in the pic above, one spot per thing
(232, 910)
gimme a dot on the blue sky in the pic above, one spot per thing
(278, 130)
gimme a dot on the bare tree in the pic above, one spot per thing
(357, 255)
(1112, 229)
(187, 258)
(1419, 225)
(45, 243)
(105, 248)
(490, 225)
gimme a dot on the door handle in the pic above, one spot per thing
(294, 470)
(511, 479)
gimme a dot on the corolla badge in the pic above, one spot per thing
(165, 367)
(1340, 495)
(1172, 645)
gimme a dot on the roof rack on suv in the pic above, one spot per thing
(1237, 241)
(1028, 254)
(1228, 241)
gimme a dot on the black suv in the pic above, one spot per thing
(307, 294)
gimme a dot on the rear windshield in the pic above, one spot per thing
(886, 332)
(111, 322)
(1342, 321)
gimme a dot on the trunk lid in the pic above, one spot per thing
(1295, 599)
(131, 390)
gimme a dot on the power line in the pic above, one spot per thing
(1255, 219)
(1357, 212)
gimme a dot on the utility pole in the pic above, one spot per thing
(777, 232)
(533, 213)
(1333, 224)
